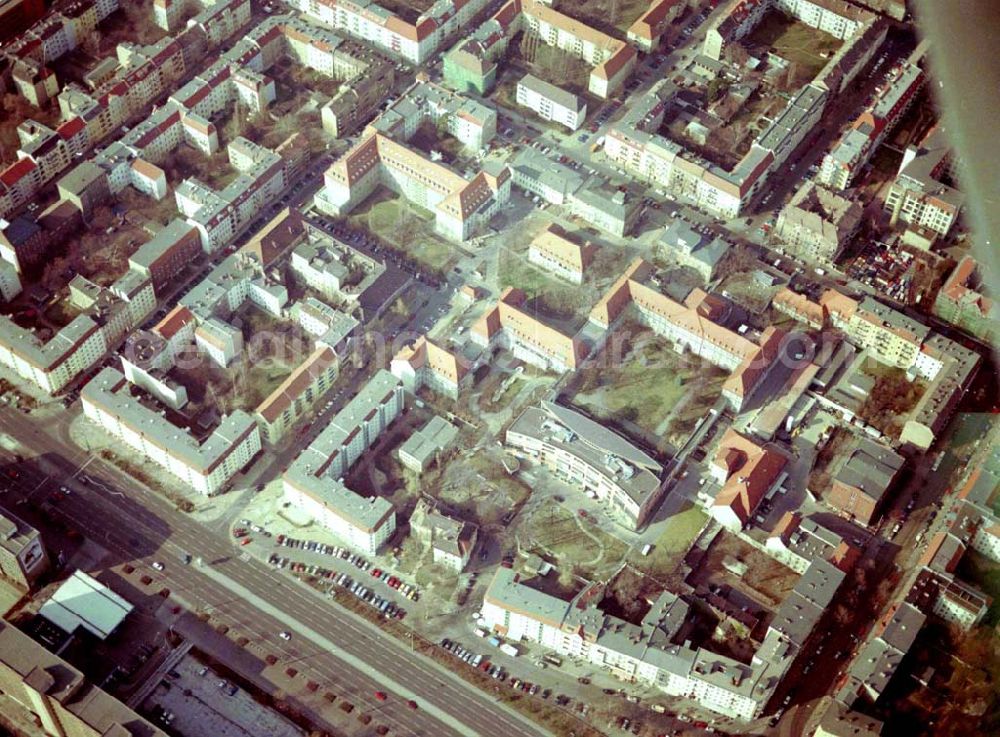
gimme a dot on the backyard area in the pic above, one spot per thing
(552, 296)
(763, 579)
(405, 227)
(576, 546)
(612, 17)
(650, 386)
(891, 399)
(806, 49)
(529, 54)
(984, 573)
(186, 162)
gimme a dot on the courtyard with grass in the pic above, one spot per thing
(612, 17)
(577, 547)
(404, 227)
(762, 579)
(803, 46)
(641, 381)
(555, 298)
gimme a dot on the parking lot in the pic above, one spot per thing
(193, 700)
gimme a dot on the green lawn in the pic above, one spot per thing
(405, 227)
(647, 384)
(557, 297)
(383, 215)
(669, 549)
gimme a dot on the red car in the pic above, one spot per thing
(376, 572)
(380, 695)
(412, 704)
(246, 541)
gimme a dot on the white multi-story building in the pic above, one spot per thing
(551, 102)
(206, 467)
(105, 316)
(646, 653)
(313, 481)
(627, 481)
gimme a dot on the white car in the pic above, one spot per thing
(285, 635)
(157, 565)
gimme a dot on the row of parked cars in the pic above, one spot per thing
(359, 561)
(384, 606)
(343, 580)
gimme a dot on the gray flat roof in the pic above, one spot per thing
(549, 91)
(84, 602)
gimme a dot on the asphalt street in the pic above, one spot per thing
(140, 526)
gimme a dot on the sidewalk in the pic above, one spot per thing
(331, 647)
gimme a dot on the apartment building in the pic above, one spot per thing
(471, 66)
(413, 40)
(851, 153)
(537, 174)
(425, 363)
(297, 394)
(146, 358)
(220, 215)
(10, 281)
(687, 247)
(239, 278)
(838, 18)
(332, 267)
(919, 196)
(651, 652)
(747, 473)
(613, 59)
(694, 325)
(611, 207)
(510, 326)
(881, 655)
(554, 250)
(797, 541)
(460, 205)
(205, 466)
(22, 554)
(603, 464)
(862, 481)
(103, 317)
(551, 102)
(58, 696)
(330, 327)
(313, 481)
(645, 33)
(817, 224)
(895, 339)
(961, 302)
(635, 143)
(167, 254)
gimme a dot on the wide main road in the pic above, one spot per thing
(327, 640)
